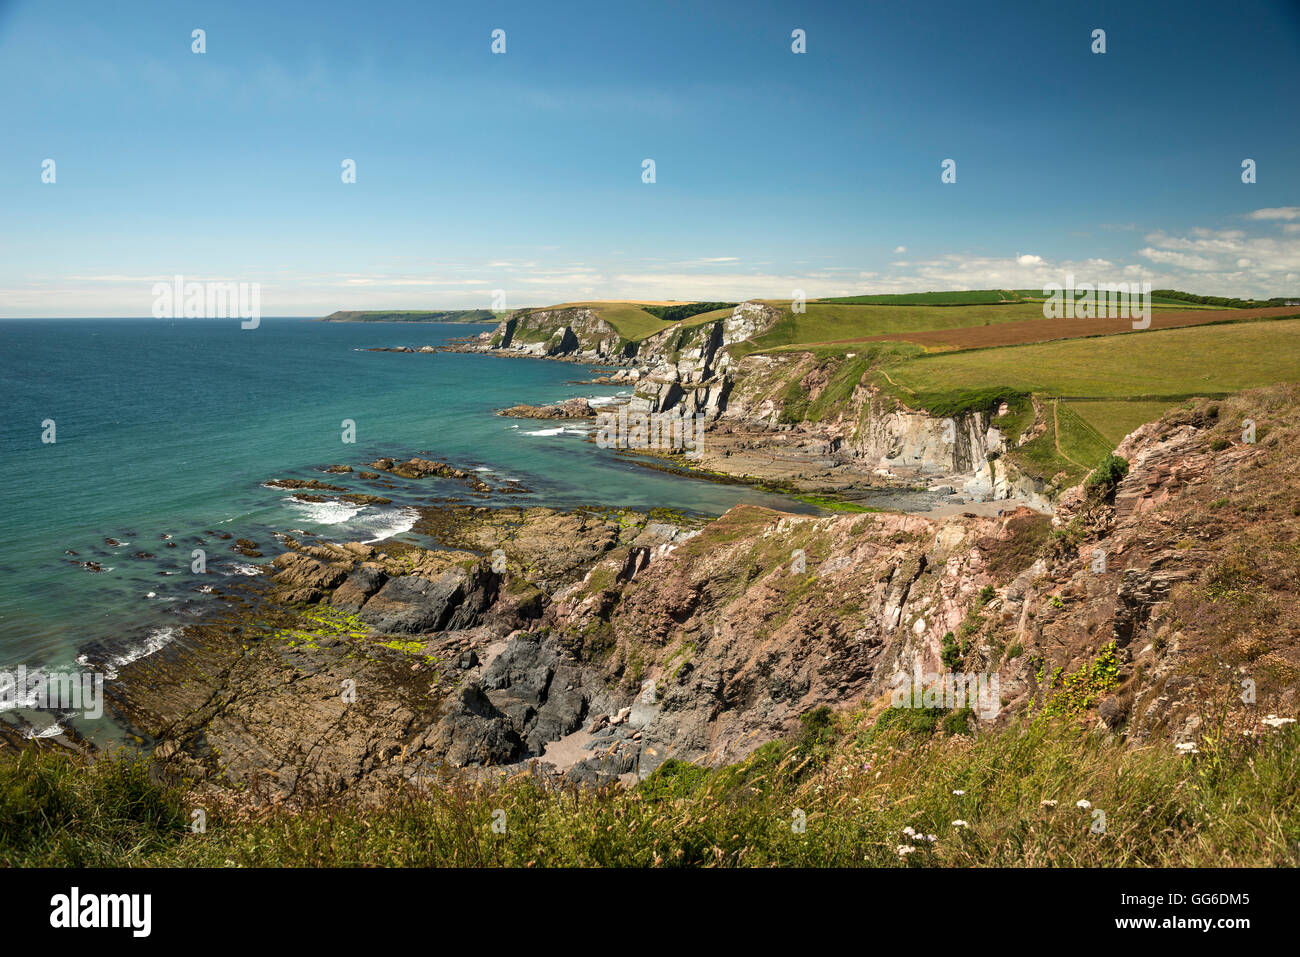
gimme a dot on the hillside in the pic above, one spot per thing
(830, 399)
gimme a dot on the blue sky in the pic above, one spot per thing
(522, 171)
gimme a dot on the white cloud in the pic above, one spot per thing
(900, 249)
(1276, 212)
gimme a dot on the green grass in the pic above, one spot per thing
(1082, 447)
(689, 310)
(1109, 385)
(1157, 301)
(1114, 420)
(629, 320)
(836, 505)
(826, 323)
(853, 781)
(967, 297)
(1171, 363)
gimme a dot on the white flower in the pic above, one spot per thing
(960, 823)
(1047, 804)
(905, 849)
(909, 831)
(959, 793)
(1187, 747)
(1273, 721)
(1083, 804)
(931, 838)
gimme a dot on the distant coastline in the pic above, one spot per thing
(446, 315)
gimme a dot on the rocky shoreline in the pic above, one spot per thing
(872, 445)
(589, 646)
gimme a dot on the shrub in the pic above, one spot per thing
(816, 730)
(956, 722)
(949, 651)
(1107, 476)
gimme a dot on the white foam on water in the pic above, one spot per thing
(7, 684)
(246, 568)
(52, 730)
(392, 522)
(325, 513)
(560, 431)
(154, 641)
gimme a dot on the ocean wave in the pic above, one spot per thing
(392, 522)
(50, 731)
(558, 431)
(325, 513)
(157, 639)
(245, 568)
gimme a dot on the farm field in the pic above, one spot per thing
(1038, 329)
(1107, 386)
(968, 297)
(1117, 419)
(1174, 363)
(831, 324)
(628, 318)
(1036, 295)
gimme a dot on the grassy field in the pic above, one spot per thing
(860, 786)
(973, 297)
(967, 297)
(1117, 419)
(1043, 330)
(849, 318)
(827, 323)
(627, 318)
(1108, 385)
(1172, 363)
(1037, 294)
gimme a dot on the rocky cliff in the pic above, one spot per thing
(782, 415)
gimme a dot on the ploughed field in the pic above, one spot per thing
(1024, 331)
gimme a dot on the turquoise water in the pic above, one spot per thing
(170, 428)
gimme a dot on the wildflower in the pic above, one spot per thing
(910, 831)
(931, 838)
(905, 849)
(1273, 721)
(959, 793)
(1047, 804)
(1083, 804)
(1187, 747)
(960, 823)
